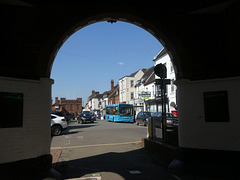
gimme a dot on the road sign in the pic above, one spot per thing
(161, 71)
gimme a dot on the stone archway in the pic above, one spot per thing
(203, 40)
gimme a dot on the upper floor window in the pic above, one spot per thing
(172, 69)
(172, 86)
(132, 83)
(132, 95)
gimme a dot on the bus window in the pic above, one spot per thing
(125, 110)
(111, 110)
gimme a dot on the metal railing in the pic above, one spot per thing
(158, 130)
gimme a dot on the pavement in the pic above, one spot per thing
(125, 161)
(55, 155)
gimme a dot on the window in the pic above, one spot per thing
(172, 86)
(132, 95)
(132, 83)
(172, 68)
(125, 110)
(12, 109)
(111, 110)
(153, 91)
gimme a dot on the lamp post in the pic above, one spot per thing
(161, 71)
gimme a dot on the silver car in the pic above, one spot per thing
(58, 124)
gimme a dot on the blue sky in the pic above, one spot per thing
(97, 53)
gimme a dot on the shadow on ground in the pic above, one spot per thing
(137, 164)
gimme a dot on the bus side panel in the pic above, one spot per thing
(125, 119)
(110, 117)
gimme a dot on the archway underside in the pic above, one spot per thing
(198, 42)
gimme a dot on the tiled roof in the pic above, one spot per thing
(160, 54)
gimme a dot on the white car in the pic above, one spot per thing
(58, 124)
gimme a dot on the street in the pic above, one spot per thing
(99, 132)
(107, 151)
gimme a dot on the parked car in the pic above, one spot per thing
(58, 124)
(172, 119)
(86, 116)
(69, 116)
(94, 117)
(142, 118)
(59, 113)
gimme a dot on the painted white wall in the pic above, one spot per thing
(165, 59)
(34, 138)
(122, 89)
(95, 103)
(150, 88)
(194, 132)
(125, 88)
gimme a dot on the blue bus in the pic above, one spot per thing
(120, 112)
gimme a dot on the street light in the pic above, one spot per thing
(161, 71)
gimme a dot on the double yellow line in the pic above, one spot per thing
(96, 145)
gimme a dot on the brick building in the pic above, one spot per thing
(113, 97)
(68, 105)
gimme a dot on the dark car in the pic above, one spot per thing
(86, 116)
(94, 117)
(69, 116)
(172, 119)
(142, 118)
(59, 113)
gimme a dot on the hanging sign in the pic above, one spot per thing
(144, 95)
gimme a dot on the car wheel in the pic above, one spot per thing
(137, 122)
(56, 130)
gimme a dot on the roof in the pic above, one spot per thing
(98, 96)
(160, 54)
(56, 104)
(113, 92)
(133, 74)
(107, 92)
(150, 79)
(148, 73)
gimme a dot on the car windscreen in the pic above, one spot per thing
(147, 114)
(86, 113)
(156, 114)
(125, 110)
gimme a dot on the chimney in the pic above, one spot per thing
(93, 92)
(112, 84)
(56, 99)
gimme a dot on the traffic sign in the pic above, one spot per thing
(161, 71)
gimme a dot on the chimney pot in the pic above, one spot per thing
(112, 84)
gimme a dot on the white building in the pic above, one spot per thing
(146, 94)
(127, 86)
(145, 90)
(164, 58)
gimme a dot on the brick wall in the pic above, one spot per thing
(72, 106)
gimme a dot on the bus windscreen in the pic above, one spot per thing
(125, 110)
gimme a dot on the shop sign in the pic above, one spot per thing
(144, 95)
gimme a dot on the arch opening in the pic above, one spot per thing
(138, 25)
